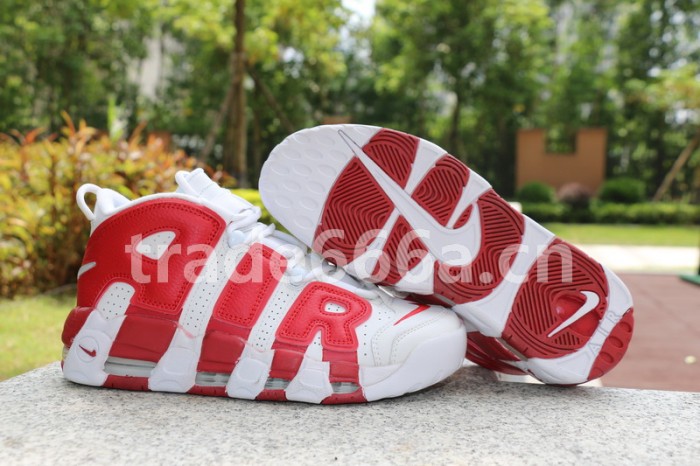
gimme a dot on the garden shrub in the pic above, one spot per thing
(578, 199)
(647, 213)
(43, 233)
(575, 195)
(535, 192)
(546, 212)
(605, 212)
(622, 191)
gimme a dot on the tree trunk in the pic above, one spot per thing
(453, 143)
(235, 160)
(271, 101)
(420, 117)
(257, 139)
(220, 116)
(657, 142)
(677, 165)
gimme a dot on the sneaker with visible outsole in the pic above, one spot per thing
(397, 210)
(187, 292)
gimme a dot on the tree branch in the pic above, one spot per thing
(677, 165)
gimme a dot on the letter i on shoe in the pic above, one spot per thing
(187, 292)
(399, 211)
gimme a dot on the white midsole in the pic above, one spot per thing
(430, 362)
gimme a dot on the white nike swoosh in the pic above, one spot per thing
(85, 267)
(592, 300)
(438, 239)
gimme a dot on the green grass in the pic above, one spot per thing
(639, 235)
(30, 332)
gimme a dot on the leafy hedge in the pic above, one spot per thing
(622, 191)
(536, 192)
(545, 211)
(603, 212)
(657, 214)
(43, 233)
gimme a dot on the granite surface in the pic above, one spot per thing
(470, 418)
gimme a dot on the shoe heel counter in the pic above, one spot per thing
(83, 297)
(74, 322)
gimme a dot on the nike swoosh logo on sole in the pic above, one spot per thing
(434, 236)
(592, 300)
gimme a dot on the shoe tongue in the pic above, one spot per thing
(197, 183)
(313, 259)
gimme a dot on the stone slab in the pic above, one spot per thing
(470, 418)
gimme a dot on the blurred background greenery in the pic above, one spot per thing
(170, 84)
(467, 75)
(165, 85)
(123, 93)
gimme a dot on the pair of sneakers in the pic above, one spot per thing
(416, 261)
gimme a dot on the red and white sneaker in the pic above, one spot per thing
(397, 210)
(186, 292)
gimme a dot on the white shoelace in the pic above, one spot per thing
(245, 228)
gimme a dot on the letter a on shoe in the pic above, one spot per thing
(187, 292)
(399, 211)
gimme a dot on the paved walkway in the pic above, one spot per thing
(645, 258)
(665, 349)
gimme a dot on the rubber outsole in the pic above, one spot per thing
(399, 211)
